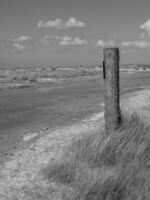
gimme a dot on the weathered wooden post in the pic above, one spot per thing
(111, 96)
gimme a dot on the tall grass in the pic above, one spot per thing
(100, 167)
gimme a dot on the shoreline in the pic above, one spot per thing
(28, 136)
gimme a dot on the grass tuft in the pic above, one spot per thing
(63, 172)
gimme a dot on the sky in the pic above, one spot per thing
(73, 32)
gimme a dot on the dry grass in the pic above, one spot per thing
(115, 167)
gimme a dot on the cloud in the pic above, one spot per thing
(18, 46)
(22, 42)
(65, 41)
(146, 26)
(22, 39)
(47, 39)
(102, 43)
(136, 44)
(59, 24)
(72, 22)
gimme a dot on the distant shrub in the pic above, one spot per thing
(53, 69)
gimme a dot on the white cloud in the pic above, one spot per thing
(19, 42)
(72, 22)
(65, 41)
(146, 26)
(137, 44)
(101, 43)
(22, 39)
(59, 24)
(18, 46)
(47, 39)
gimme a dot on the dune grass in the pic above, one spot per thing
(100, 167)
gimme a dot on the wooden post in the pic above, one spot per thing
(111, 96)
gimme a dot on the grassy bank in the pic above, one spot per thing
(100, 167)
(81, 163)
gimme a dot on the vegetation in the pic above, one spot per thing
(51, 74)
(101, 167)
